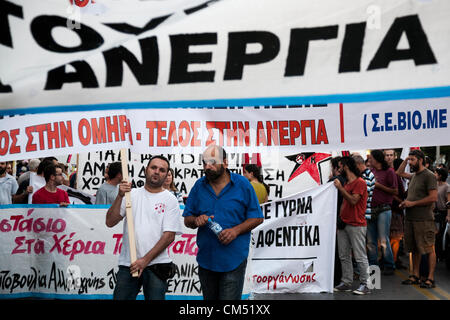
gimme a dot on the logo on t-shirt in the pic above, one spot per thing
(160, 208)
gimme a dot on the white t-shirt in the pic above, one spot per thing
(154, 214)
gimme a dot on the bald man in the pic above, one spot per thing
(230, 200)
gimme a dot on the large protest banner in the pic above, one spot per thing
(245, 130)
(146, 62)
(323, 76)
(293, 250)
(69, 253)
(187, 53)
(285, 174)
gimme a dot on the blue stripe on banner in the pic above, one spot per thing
(39, 295)
(405, 94)
(73, 206)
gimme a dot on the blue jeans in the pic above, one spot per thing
(222, 285)
(379, 230)
(128, 287)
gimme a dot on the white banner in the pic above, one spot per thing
(187, 53)
(284, 129)
(285, 174)
(293, 250)
(69, 253)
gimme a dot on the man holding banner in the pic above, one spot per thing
(230, 200)
(157, 219)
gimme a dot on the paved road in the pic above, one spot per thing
(391, 289)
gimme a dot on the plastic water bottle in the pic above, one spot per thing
(214, 226)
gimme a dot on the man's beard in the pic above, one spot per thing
(214, 175)
(154, 183)
(414, 168)
(2, 170)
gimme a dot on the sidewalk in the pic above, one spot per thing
(391, 289)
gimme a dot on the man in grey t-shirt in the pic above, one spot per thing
(108, 191)
(8, 185)
(419, 224)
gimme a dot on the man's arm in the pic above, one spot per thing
(431, 198)
(352, 198)
(19, 198)
(194, 222)
(393, 191)
(113, 216)
(140, 264)
(401, 170)
(228, 235)
(448, 210)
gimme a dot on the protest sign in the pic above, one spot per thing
(287, 129)
(293, 250)
(285, 174)
(187, 53)
(69, 253)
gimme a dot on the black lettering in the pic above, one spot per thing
(352, 45)
(7, 8)
(83, 73)
(5, 88)
(199, 7)
(129, 29)
(41, 29)
(419, 48)
(145, 72)
(182, 58)
(237, 56)
(299, 44)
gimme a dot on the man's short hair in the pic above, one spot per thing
(335, 162)
(418, 154)
(49, 171)
(443, 174)
(33, 164)
(358, 159)
(155, 157)
(43, 165)
(114, 169)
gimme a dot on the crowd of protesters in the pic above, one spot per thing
(385, 210)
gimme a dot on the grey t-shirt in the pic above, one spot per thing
(443, 190)
(8, 188)
(106, 194)
(419, 186)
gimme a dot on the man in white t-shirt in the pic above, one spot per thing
(157, 219)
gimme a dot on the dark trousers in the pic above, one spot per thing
(128, 287)
(222, 285)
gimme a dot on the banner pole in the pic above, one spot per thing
(129, 212)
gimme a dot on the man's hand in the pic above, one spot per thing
(138, 266)
(337, 183)
(406, 204)
(228, 235)
(202, 220)
(124, 186)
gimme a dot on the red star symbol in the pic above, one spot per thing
(309, 165)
